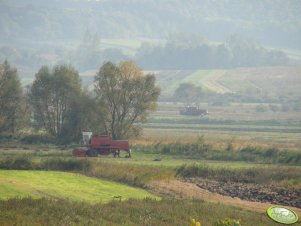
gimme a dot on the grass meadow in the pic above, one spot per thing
(64, 185)
(167, 212)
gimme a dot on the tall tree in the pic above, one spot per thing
(10, 98)
(54, 97)
(188, 93)
(126, 97)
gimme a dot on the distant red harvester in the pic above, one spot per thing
(101, 145)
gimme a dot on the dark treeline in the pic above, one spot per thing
(185, 53)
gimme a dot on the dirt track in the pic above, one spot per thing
(191, 190)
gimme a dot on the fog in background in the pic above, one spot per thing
(157, 34)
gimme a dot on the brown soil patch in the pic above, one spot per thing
(266, 193)
(190, 190)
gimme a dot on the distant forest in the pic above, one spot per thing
(192, 34)
(187, 52)
(272, 22)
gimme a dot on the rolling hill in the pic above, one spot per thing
(273, 81)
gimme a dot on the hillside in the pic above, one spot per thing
(271, 81)
(274, 23)
(158, 35)
(281, 83)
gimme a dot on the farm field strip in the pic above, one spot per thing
(170, 80)
(170, 161)
(235, 116)
(212, 82)
(290, 141)
(76, 187)
(272, 80)
(235, 112)
(290, 119)
(145, 159)
(209, 79)
(253, 128)
(178, 119)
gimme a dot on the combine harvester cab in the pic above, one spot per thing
(101, 145)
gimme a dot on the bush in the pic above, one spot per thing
(197, 149)
(37, 139)
(25, 163)
(219, 174)
(261, 108)
(201, 150)
(137, 175)
(228, 222)
(252, 175)
(17, 163)
(274, 108)
(67, 164)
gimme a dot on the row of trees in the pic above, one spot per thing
(196, 53)
(181, 52)
(57, 103)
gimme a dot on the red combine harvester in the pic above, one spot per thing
(101, 145)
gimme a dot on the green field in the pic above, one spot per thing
(62, 185)
(167, 161)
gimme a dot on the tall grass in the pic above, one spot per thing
(199, 149)
(137, 175)
(60, 164)
(259, 175)
(128, 213)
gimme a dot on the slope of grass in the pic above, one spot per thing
(126, 172)
(75, 187)
(272, 81)
(170, 80)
